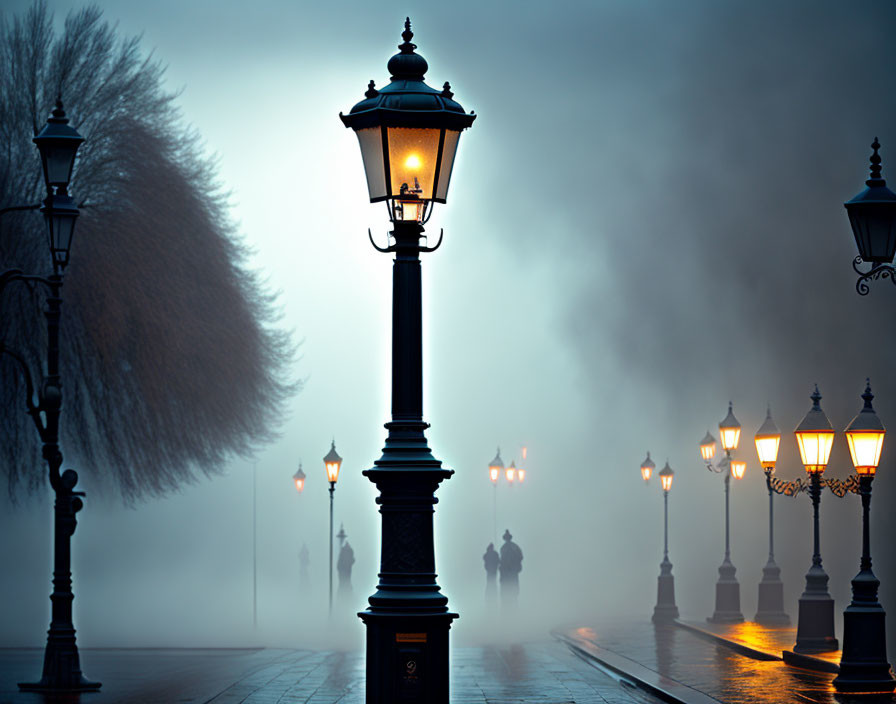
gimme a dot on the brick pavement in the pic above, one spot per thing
(533, 673)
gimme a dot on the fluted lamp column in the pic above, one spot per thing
(815, 624)
(770, 611)
(665, 609)
(863, 663)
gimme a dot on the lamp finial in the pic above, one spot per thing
(875, 166)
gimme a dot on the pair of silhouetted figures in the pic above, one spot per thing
(343, 568)
(508, 564)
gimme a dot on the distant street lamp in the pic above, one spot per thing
(771, 589)
(863, 664)
(511, 472)
(727, 588)
(408, 134)
(495, 467)
(332, 463)
(58, 144)
(872, 215)
(647, 467)
(299, 479)
(665, 609)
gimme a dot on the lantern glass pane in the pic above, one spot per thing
(62, 227)
(521, 474)
(59, 162)
(708, 451)
(667, 482)
(409, 210)
(738, 468)
(864, 448)
(412, 159)
(371, 141)
(509, 474)
(645, 472)
(449, 149)
(815, 449)
(874, 227)
(493, 474)
(767, 449)
(730, 438)
(332, 471)
(300, 484)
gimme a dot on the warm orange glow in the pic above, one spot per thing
(666, 481)
(708, 447)
(767, 449)
(300, 484)
(645, 472)
(729, 437)
(521, 474)
(815, 449)
(738, 468)
(525, 451)
(412, 162)
(409, 210)
(864, 449)
(510, 472)
(333, 471)
(493, 474)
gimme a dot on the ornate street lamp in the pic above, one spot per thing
(647, 467)
(299, 479)
(408, 133)
(771, 589)
(727, 588)
(58, 144)
(863, 664)
(332, 463)
(665, 609)
(815, 625)
(872, 215)
(495, 467)
(511, 472)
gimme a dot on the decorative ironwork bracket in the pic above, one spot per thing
(877, 271)
(838, 488)
(392, 247)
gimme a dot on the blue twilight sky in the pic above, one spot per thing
(645, 222)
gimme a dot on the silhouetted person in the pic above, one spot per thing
(510, 568)
(344, 569)
(492, 560)
(303, 566)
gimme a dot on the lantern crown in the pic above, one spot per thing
(815, 420)
(866, 420)
(407, 101)
(768, 427)
(58, 142)
(648, 462)
(299, 474)
(497, 462)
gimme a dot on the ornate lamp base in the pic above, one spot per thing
(815, 626)
(771, 598)
(727, 597)
(665, 609)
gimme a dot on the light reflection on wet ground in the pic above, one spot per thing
(768, 639)
(717, 670)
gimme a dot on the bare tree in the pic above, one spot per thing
(170, 359)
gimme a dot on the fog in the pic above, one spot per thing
(645, 222)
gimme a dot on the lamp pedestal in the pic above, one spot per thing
(665, 609)
(863, 665)
(408, 618)
(770, 611)
(815, 627)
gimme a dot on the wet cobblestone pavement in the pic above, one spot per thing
(534, 673)
(715, 669)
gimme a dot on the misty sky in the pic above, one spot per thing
(645, 222)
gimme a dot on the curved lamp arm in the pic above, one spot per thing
(779, 486)
(839, 488)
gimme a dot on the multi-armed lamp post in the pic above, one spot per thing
(408, 133)
(770, 611)
(57, 143)
(727, 588)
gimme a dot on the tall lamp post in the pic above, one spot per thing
(770, 611)
(495, 467)
(727, 588)
(332, 463)
(872, 215)
(863, 664)
(408, 134)
(57, 143)
(815, 624)
(665, 609)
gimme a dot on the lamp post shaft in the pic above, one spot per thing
(665, 525)
(727, 587)
(495, 511)
(815, 624)
(770, 609)
(665, 609)
(863, 664)
(62, 667)
(408, 618)
(332, 492)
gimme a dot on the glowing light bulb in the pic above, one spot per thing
(412, 162)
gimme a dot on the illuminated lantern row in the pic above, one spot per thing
(511, 473)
